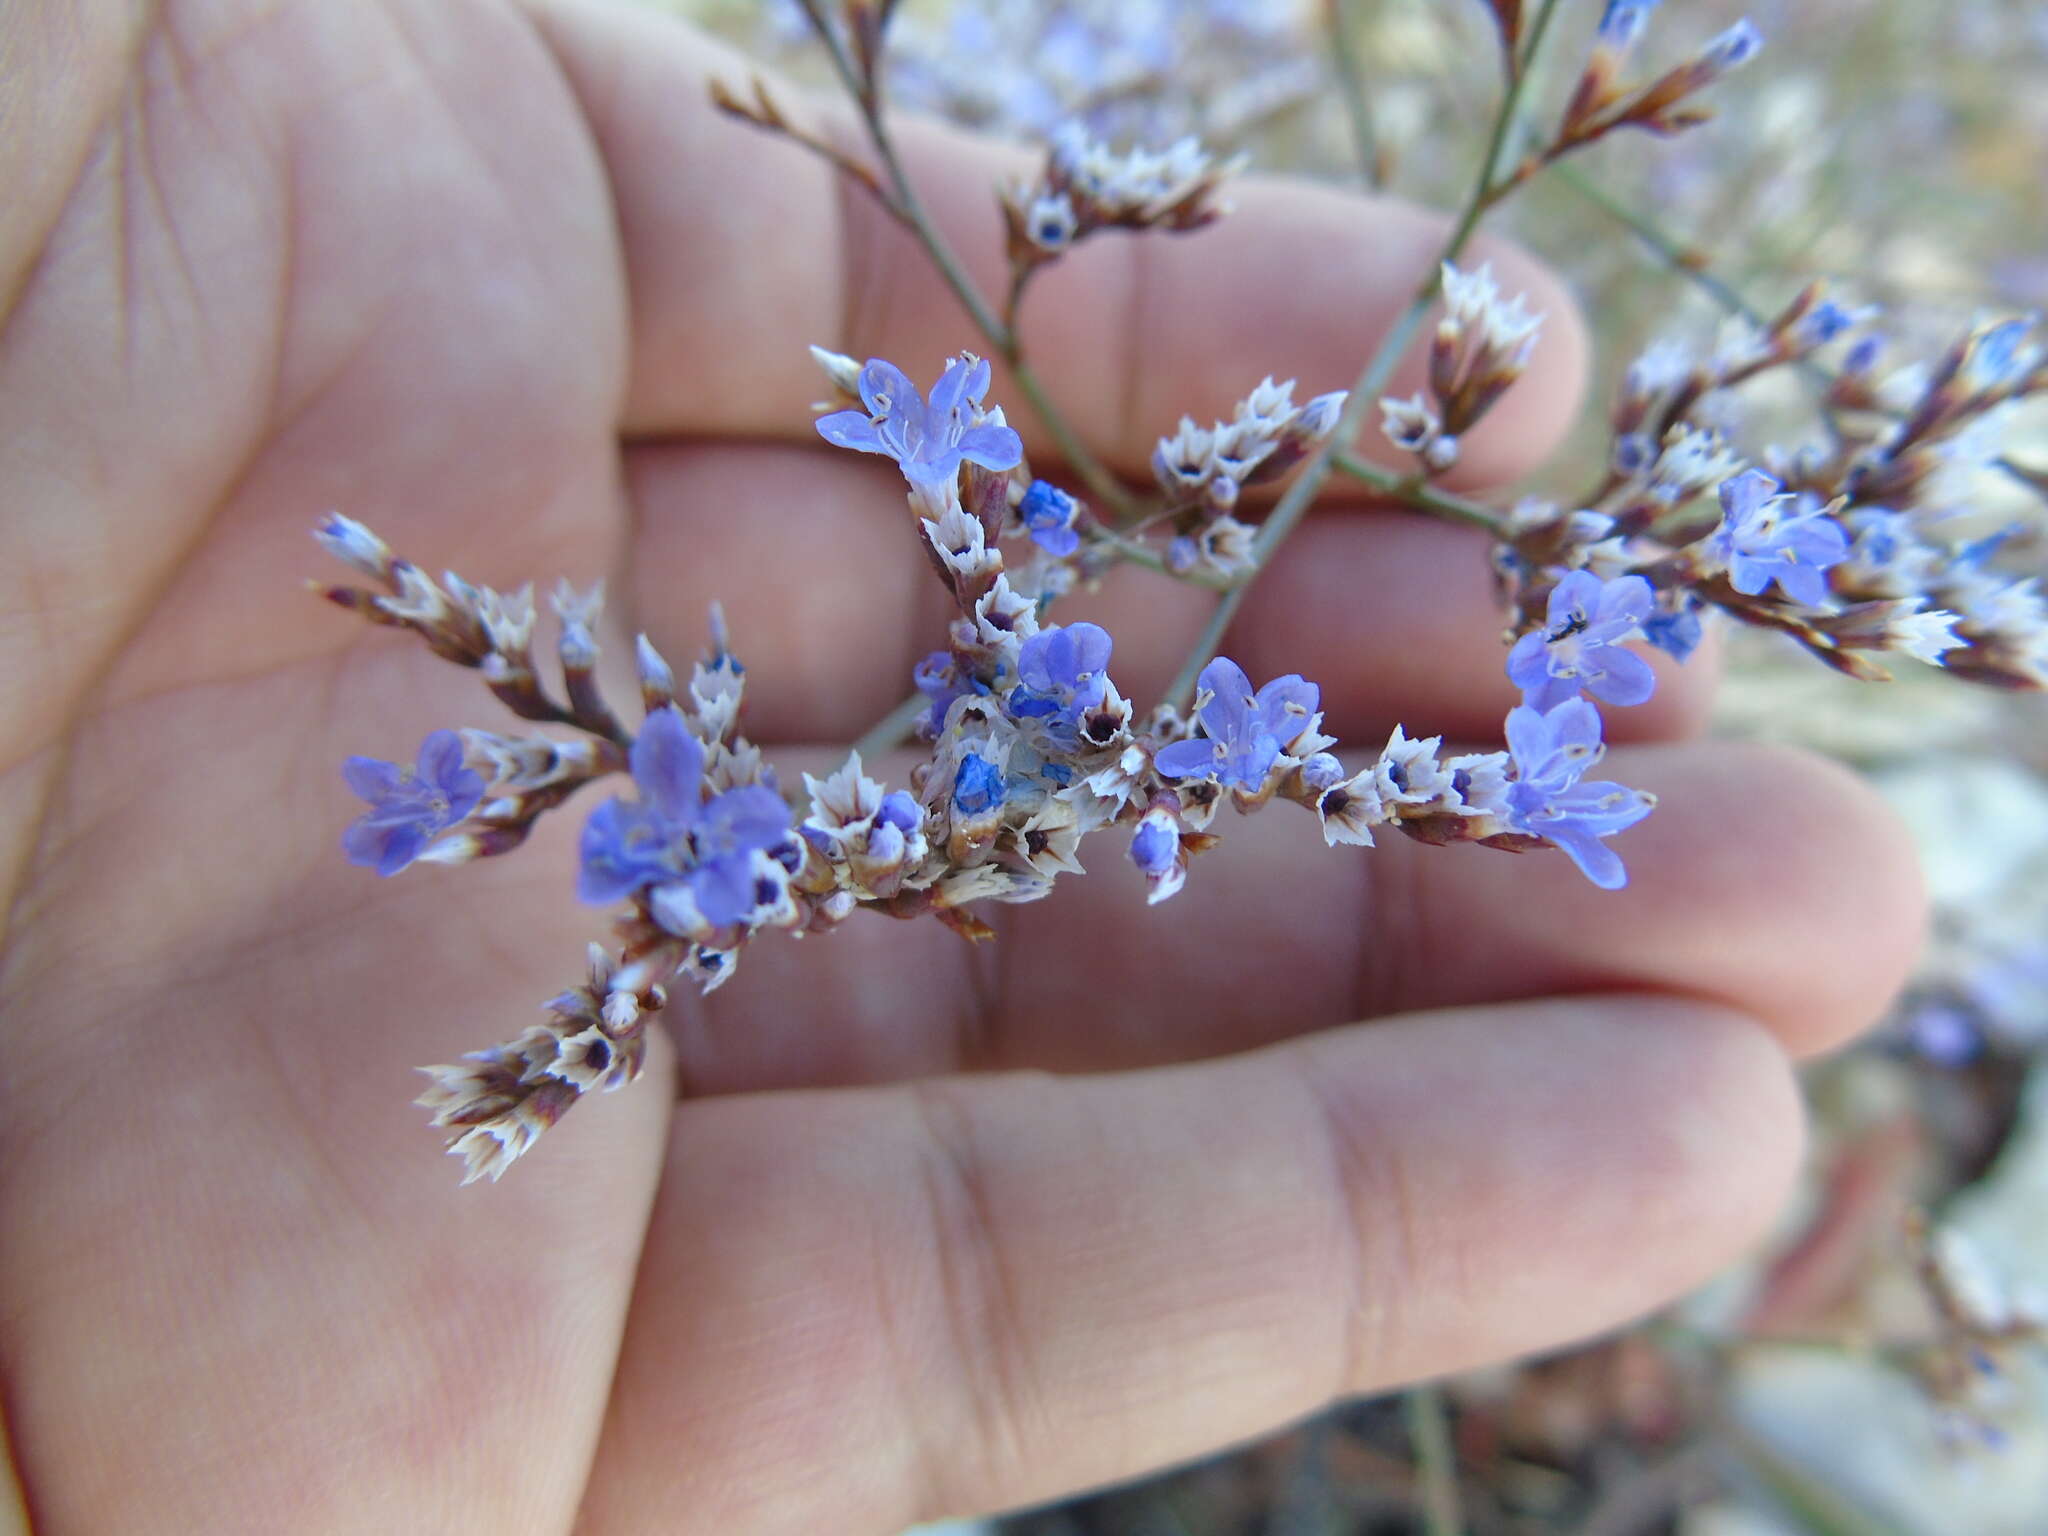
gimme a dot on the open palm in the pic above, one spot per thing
(497, 281)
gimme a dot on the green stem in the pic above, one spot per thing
(1683, 259)
(905, 203)
(889, 731)
(1436, 1462)
(1077, 454)
(1493, 183)
(1351, 84)
(912, 211)
(1422, 497)
(1132, 552)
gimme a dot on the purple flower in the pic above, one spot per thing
(409, 807)
(1765, 537)
(1945, 1035)
(672, 842)
(631, 844)
(1154, 846)
(1862, 357)
(1580, 645)
(899, 809)
(978, 785)
(927, 438)
(1827, 320)
(888, 834)
(1995, 359)
(1156, 851)
(1623, 22)
(1245, 731)
(938, 678)
(1551, 752)
(1738, 45)
(1676, 632)
(1063, 672)
(1048, 515)
(736, 825)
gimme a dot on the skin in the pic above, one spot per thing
(894, 1228)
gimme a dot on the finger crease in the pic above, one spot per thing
(1373, 1270)
(980, 1307)
(1393, 963)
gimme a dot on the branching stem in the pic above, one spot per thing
(1493, 183)
(1003, 338)
(890, 731)
(1351, 83)
(1688, 261)
(1420, 496)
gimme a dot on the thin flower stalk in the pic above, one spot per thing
(1487, 190)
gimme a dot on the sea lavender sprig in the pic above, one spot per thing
(702, 856)
(1899, 591)
(1817, 556)
(1848, 388)
(1034, 747)
(473, 626)
(496, 1102)
(1867, 506)
(1663, 460)
(1029, 745)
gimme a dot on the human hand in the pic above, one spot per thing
(500, 282)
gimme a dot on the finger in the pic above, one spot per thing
(738, 244)
(1392, 614)
(1767, 881)
(864, 1308)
